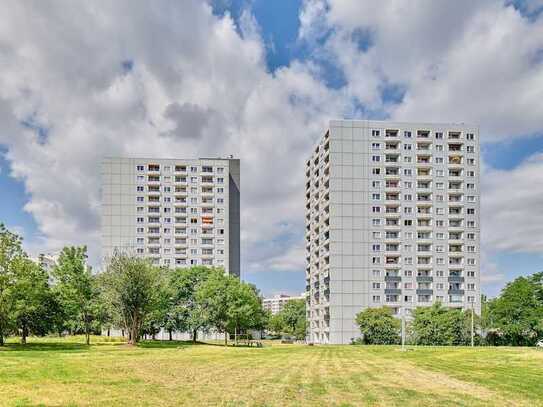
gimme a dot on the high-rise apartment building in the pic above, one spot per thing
(177, 212)
(392, 218)
(276, 303)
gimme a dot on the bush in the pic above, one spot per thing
(378, 326)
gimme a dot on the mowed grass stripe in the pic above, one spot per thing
(65, 373)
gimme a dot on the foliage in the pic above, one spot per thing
(10, 251)
(378, 326)
(133, 287)
(229, 305)
(516, 316)
(185, 313)
(77, 289)
(438, 325)
(291, 320)
(33, 304)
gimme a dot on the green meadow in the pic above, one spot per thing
(65, 372)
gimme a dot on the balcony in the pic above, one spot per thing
(180, 168)
(456, 279)
(393, 291)
(391, 133)
(423, 134)
(454, 135)
(396, 279)
(455, 160)
(425, 279)
(425, 291)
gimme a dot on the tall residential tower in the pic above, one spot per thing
(177, 212)
(392, 218)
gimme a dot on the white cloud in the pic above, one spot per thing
(198, 86)
(463, 61)
(193, 86)
(512, 207)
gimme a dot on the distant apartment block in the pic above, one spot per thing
(276, 303)
(177, 212)
(392, 218)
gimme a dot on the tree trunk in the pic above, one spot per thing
(170, 334)
(108, 332)
(194, 335)
(1, 338)
(225, 338)
(24, 334)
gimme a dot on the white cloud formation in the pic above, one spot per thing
(169, 78)
(464, 61)
(512, 207)
(166, 79)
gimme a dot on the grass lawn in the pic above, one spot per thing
(66, 372)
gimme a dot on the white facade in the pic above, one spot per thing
(392, 218)
(276, 303)
(177, 212)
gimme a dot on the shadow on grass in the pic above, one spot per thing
(46, 347)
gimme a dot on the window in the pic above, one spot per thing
(409, 260)
(470, 149)
(375, 197)
(408, 184)
(376, 235)
(220, 170)
(376, 171)
(471, 223)
(139, 230)
(139, 199)
(408, 222)
(407, 134)
(220, 190)
(220, 180)
(440, 223)
(408, 172)
(440, 235)
(471, 286)
(439, 147)
(439, 160)
(408, 273)
(376, 286)
(376, 209)
(439, 198)
(439, 249)
(139, 188)
(408, 210)
(471, 161)
(439, 173)
(439, 135)
(376, 260)
(375, 146)
(408, 247)
(440, 211)
(407, 147)
(376, 298)
(470, 136)
(471, 273)
(440, 261)
(376, 222)
(471, 211)
(376, 247)
(440, 273)
(139, 220)
(140, 167)
(375, 158)
(440, 185)
(407, 159)
(376, 273)
(408, 286)
(471, 262)
(408, 197)
(375, 133)
(167, 189)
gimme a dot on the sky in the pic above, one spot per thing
(261, 79)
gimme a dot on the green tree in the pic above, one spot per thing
(10, 250)
(378, 326)
(185, 312)
(276, 323)
(517, 314)
(437, 325)
(132, 286)
(31, 298)
(294, 318)
(213, 297)
(77, 289)
(244, 308)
